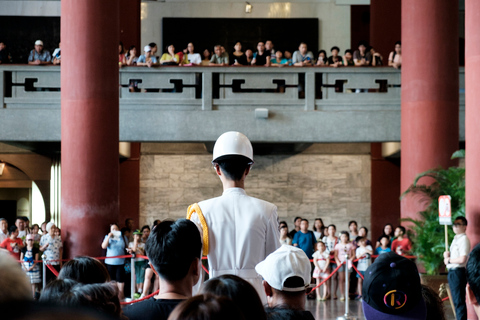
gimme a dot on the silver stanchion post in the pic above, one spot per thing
(346, 316)
(132, 280)
(44, 270)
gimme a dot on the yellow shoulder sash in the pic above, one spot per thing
(196, 208)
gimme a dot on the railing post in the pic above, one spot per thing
(132, 279)
(2, 89)
(346, 316)
(44, 271)
(309, 91)
(207, 87)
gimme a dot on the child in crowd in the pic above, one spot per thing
(363, 253)
(384, 242)
(321, 260)
(138, 246)
(13, 244)
(29, 256)
(343, 250)
(284, 239)
(35, 230)
(330, 242)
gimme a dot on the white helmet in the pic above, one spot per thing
(233, 143)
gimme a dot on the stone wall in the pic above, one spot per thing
(335, 187)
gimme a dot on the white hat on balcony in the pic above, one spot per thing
(147, 48)
(233, 143)
(39, 43)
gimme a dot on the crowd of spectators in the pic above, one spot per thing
(264, 55)
(327, 251)
(84, 288)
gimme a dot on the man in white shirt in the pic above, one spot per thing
(238, 231)
(456, 260)
(22, 231)
(3, 229)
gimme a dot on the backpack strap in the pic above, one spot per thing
(195, 208)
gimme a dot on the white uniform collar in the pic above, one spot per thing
(234, 190)
(460, 235)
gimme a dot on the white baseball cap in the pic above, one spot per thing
(39, 43)
(284, 263)
(147, 48)
(233, 143)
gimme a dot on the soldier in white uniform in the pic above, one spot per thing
(238, 231)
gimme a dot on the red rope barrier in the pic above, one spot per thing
(205, 269)
(445, 299)
(52, 269)
(331, 274)
(144, 298)
(361, 275)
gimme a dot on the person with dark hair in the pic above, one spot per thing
(13, 243)
(387, 232)
(206, 57)
(344, 250)
(384, 246)
(116, 243)
(319, 229)
(174, 250)
(395, 57)
(473, 279)
(29, 257)
(190, 57)
(239, 291)
(330, 242)
(137, 246)
(322, 59)
(238, 230)
(102, 297)
(154, 48)
(284, 238)
(203, 307)
(262, 56)
(130, 224)
(156, 223)
(287, 274)
(3, 229)
(348, 58)
(456, 261)
(305, 239)
(55, 290)
(377, 58)
(4, 54)
(22, 227)
(335, 60)
(302, 57)
(296, 227)
(362, 57)
(353, 230)
(239, 58)
(434, 304)
(121, 54)
(84, 270)
(401, 245)
(170, 58)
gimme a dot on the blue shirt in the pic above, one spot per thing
(116, 247)
(305, 241)
(142, 59)
(379, 250)
(43, 56)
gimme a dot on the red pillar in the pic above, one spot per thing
(430, 87)
(472, 119)
(90, 128)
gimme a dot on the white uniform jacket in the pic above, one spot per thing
(242, 232)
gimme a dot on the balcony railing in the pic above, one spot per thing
(297, 100)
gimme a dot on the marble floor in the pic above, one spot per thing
(331, 309)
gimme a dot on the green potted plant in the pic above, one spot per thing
(427, 235)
